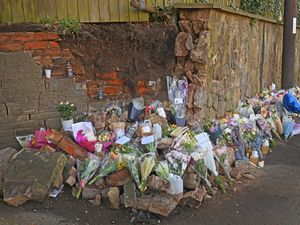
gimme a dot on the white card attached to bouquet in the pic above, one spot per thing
(123, 140)
(178, 101)
(147, 140)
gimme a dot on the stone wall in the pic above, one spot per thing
(227, 55)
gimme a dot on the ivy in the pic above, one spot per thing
(268, 8)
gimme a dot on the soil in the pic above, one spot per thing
(273, 198)
(143, 51)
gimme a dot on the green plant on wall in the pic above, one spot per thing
(270, 8)
(64, 26)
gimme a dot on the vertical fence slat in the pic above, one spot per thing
(40, 10)
(50, 7)
(83, 8)
(61, 8)
(94, 10)
(114, 11)
(123, 7)
(104, 10)
(72, 9)
(144, 16)
(29, 11)
(5, 12)
(17, 11)
(133, 14)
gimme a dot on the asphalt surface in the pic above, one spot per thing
(273, 198)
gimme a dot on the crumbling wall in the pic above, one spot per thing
(123, 56)
(226, 55)
(28, 101)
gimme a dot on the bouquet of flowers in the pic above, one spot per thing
(162, 169)
(221, 155)
(110, 165)
(147, 163)
(87, 169)
(201, 170)
(249, 132)
(178, 161)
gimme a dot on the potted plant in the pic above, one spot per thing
(66, 111)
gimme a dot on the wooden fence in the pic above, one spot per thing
(83, 10)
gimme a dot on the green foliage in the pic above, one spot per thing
(270, 8)
(66, 110)
(69, 26)
(64, 26)
(47, 21)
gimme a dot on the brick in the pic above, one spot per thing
(130, 199)
(43, 36)
(142, 89)
(3, 112)
(4, 37)
(119, 178)
(115, 82)
(36, 45)
(52, 52)
(53, 123)
(67, 53)
(43, 61)
(23, 36)
(26, 86)
(23, 131)
(107, 76)
(59, 61)
(11, 47)
(44, 115)
(110, 90)
(58, 71)
(64, 84)
(78, 70)
(53, 44)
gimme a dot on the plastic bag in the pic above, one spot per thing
(291, 103)
(296, 129)
(83, 141)
(288, 125)
(39, 139)
(135, 108)
(244, 111)
(24, 140)
(205, 144)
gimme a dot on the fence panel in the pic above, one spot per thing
(83, 10)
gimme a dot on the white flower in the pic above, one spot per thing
(67, 103)
(72, 105)
(61, 103)
(227, 131)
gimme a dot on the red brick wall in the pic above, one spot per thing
(45, 49)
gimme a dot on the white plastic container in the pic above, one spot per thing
(157, 131)
(48, 73)
(176, 183)
(67, 124)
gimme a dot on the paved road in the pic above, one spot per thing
(273, 199)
